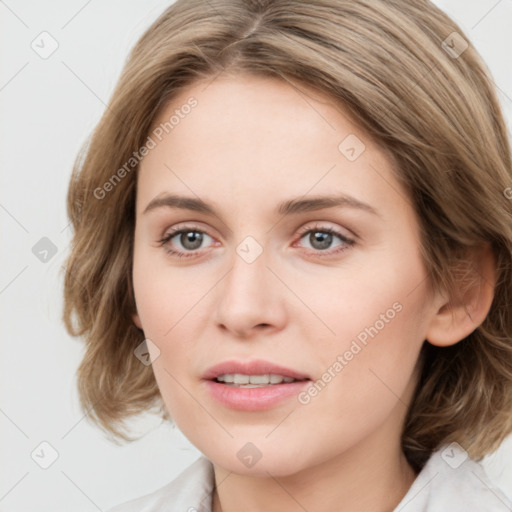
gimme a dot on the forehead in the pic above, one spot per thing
(238, 105)
(258, 136)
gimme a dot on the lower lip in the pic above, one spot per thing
(254, 399)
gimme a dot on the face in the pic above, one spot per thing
(306, 256)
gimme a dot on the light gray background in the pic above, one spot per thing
(48, 107)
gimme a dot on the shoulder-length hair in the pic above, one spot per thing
(415, 84)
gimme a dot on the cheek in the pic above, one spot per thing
(167, 306)
(364, 386)
(163, 294)
(379, 320)
(377, 298)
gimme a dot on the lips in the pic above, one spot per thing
(253, 367)
(253, 398)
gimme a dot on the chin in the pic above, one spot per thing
(276, 464)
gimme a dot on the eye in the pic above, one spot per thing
(321, 238)
(191, 239)
(188, 237)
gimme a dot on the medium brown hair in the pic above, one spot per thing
(437, 114)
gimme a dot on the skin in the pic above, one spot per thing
(249, 144)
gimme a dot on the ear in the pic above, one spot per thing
(136, 320)
(458, 316)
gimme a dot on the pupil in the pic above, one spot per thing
(320, 240)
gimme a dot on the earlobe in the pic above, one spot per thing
(458, 316)
(136, 320)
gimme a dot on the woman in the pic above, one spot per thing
(293, 234)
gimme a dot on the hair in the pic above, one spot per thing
(436, 113)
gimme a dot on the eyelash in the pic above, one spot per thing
(304, 231)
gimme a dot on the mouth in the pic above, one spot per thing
(253, 385)
(253, 373)
(240, 380)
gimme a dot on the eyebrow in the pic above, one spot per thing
(289, 207)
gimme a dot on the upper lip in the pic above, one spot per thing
(252, 367)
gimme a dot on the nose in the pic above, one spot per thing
(250, 299)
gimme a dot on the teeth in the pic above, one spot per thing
(259, 379)
(238, 378)
(253, 381)
(276, 379)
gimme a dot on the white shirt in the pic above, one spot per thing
(449, 482)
